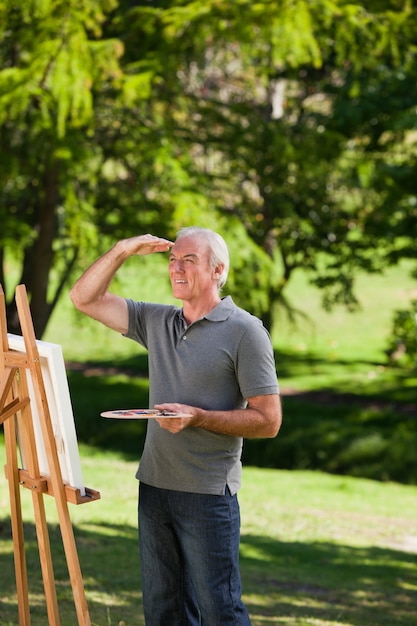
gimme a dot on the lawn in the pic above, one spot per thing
(346, 411)
(316, 549)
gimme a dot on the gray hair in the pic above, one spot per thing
(218, 251)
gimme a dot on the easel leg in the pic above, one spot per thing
(46, 559)
(73, 566)
(17, 523)
(26, 438)
(17, 416)
(67, 531)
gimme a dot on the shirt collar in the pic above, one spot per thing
(222, 311)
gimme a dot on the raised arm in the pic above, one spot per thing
(91, 294)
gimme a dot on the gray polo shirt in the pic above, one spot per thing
(217, 363)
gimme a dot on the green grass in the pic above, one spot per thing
(340, 335)
(357, 418)
(373, 436)
(337, 351)
(316, 549)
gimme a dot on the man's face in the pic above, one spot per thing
(191, 276)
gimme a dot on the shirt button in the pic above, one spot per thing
(184, 338)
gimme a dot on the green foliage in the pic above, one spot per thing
(116, 390)
(247, 258)
(358, 435)
(52, 66)
(341, 438)
(403, 341)
(292, 119)
(288, 170)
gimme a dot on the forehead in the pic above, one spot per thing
(194, 246)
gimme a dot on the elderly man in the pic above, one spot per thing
(213, 363)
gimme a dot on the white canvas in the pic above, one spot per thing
(60, 408)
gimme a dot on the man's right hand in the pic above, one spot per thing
(91, 294)
(145, 244)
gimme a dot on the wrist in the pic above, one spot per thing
(120, 251)
(200, 419)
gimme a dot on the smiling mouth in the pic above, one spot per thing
(180, 282)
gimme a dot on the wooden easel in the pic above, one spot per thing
(16, 414)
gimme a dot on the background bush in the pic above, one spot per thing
(403, 341)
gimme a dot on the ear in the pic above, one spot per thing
(218, 270)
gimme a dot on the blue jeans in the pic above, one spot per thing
(189, 552)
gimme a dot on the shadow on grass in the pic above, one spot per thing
(343, 431)
(109, 559)
(360, 379)
(391, 384)
(283, 582)
(322, 581)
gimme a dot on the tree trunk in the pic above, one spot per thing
(43, 254)
(39, 258)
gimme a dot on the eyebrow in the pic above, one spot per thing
(186, 256)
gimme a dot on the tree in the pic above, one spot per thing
(293, 131)
(54, 62)
(254, 118)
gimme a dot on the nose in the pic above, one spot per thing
(178, 265)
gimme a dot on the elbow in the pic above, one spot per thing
(274, 428)
(77, 300)
(74, 297)
(275, 423)
(270, 412)
(269, 428)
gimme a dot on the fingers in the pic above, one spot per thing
(174, 424)
(155, 241)
(147, 244)
(157, 244)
